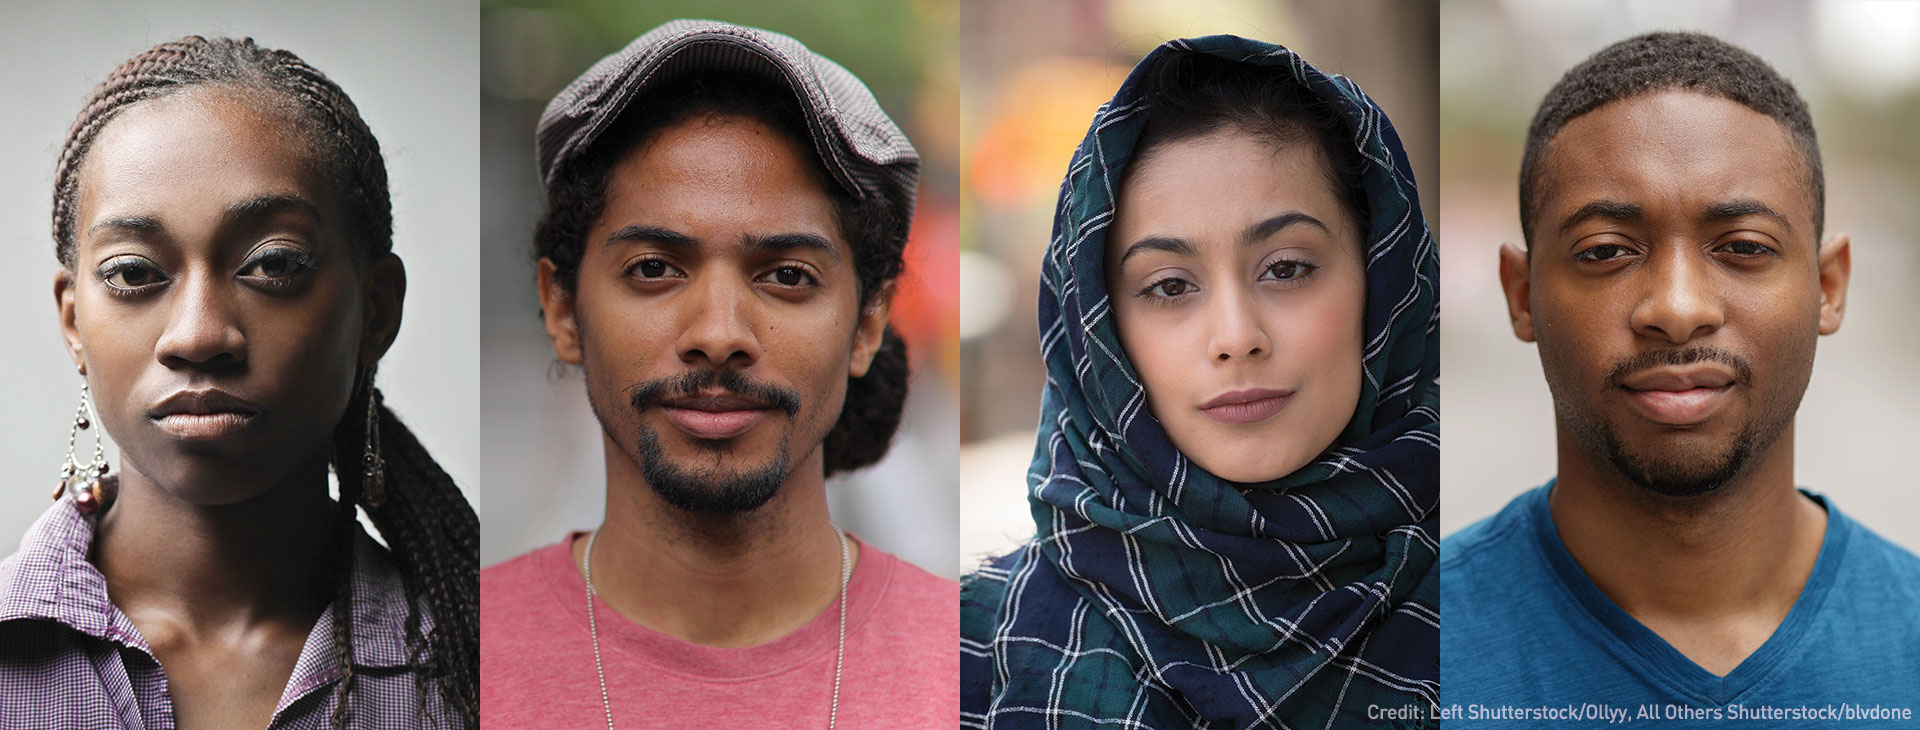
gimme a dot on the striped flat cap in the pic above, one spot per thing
(863, 150)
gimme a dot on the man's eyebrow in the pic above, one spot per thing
(1742, 208)
(265, 205)
(1169, 244)
(1611, 209)
(652, 234)
(790, 241)
(1260, 231)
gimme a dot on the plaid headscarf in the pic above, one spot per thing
(1157, 595)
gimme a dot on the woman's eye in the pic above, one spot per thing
(1286, 270)
(791, 276)
(277, 264)
(652, 269)
(1603, 252)
(127, 275)
(1169, 288)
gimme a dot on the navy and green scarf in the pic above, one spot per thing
(1157, 595)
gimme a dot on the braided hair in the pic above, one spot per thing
(427, 523)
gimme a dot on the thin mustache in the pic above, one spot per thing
(1742, 370)
(649, 394)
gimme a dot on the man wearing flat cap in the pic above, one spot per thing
(726, 214)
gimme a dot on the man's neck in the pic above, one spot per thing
(1713, 574)
(719, 580)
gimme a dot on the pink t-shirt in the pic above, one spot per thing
(536, 657)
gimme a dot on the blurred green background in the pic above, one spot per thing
(541, 445)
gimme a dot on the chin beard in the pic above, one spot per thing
(710, 490)
(1681, 477)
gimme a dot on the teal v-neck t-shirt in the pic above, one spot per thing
(1527, 640)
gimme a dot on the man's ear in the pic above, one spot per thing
(556, 307)
(871, 331)
(1514, 279)
(63, 291)
(1836, 268)
(386, 300)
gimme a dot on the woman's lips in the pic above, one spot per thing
(199, 426)
(203, 414)
(1246, 406)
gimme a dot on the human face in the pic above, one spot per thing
(213, 305)
(1675, 288)
(1239, 292)
(717, 313)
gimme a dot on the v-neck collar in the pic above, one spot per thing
(1650, 652)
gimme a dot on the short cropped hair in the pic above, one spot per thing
(1667, 61)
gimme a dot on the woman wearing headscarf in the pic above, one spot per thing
(1236, 484)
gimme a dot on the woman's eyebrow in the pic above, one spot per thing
(1169, 244)
(129, 224)
(1260, 231)
(265, 205)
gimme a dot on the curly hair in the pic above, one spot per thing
(1191, 95)
(431, 529)
(871, 221)
(1666, 61)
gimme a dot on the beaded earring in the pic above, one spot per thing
(86, 482)
(374, 491)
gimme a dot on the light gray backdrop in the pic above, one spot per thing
(412, 69)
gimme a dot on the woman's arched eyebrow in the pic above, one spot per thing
(139, 224)
(265, 205)
(1169, 244)
(1260, 231)
(251, 208)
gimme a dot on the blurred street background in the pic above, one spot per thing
(1858, 66)
(1035, 72)
(541, 444)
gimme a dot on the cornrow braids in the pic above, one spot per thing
(347, 148)
(427, 523)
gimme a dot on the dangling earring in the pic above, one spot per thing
(84, 481)
(374, 489)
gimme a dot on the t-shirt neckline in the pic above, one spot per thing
(620, 637)
(1658, 656)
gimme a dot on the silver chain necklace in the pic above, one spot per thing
(839, 652)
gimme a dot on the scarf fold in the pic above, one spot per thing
(1157, 595)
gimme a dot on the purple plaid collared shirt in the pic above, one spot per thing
(70, 659)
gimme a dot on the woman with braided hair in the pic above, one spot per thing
(227, 287)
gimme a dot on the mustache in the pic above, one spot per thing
(650, 393)
(1742, 370)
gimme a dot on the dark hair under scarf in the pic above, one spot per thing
(1157, 595)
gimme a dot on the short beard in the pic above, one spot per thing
(1673, 478)
(711, 490)
(708, 490)
(1682, 477)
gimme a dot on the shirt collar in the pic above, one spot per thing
(50, 578)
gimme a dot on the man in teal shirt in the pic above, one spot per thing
(1676, 280)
